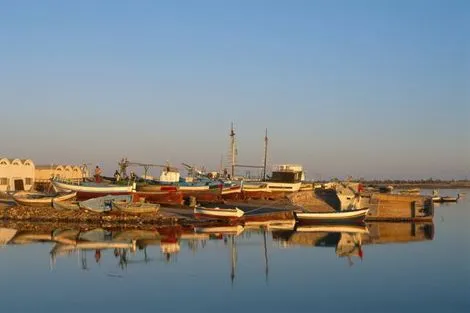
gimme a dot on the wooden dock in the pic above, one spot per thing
(398, 207)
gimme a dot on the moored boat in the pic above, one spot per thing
(334, 228)
(286, 178)
(218, 213)
(328, 217)
(39, 199)
(103, 204)
(92, 190)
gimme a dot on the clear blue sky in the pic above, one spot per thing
(365, 88)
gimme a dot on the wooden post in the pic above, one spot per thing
(413, 209)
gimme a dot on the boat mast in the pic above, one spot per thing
(232, 149)
(265, 153)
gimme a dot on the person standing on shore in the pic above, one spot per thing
(98, 173)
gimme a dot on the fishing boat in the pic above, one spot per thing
(90, 190)
(40, 199)
(286, 178)
(328, 217)
(103, 204)
(219, 213)
(135, 208)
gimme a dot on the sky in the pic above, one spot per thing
(373, 89)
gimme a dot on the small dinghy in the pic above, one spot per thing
(328, 217)
(40, 199)
(103, 204)
(219, 213)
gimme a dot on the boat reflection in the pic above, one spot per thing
(131, 246)
(346, 239)
(349, 239)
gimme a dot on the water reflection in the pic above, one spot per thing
(129, 247)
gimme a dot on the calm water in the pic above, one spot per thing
(381, 268)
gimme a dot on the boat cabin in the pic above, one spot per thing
(287, 173)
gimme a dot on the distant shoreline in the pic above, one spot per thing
(416, 184)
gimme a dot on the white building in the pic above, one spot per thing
(16, 174)
(72, 173)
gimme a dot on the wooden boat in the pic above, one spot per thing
(218, 213)
(135, 207)
(65, 205)
(92, 190)
(340, 216)
(103, 204)
(39, 199)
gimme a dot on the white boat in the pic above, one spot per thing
(92, 187)
(39, 199)
(230, 213)
(331, 216)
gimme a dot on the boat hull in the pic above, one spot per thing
(97, 188)
(331, 217)
(217, 213)
(46, 201)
